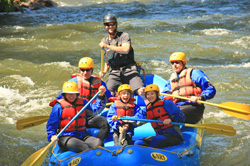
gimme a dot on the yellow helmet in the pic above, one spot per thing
(86, 63)
(124, 87)
(178, 56)
(70, 87)
(152, 87)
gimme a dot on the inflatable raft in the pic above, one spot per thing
(186, 153)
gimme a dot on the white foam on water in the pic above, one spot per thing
(61, 64)
(243, 42)
(218, 114)
(24, 80)
(18, 27)
(10, 120)
(219, 32)
(8, 96)
(242, 65)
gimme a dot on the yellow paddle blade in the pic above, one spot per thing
(31, 122)
(215, 128)
(108, 104)
(241, 111)
(37, 158)
(237, 110)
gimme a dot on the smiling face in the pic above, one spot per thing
(151, 96)
(111, 27)
(86, 73)
(71, 97)
(125, 95)
(177, 66)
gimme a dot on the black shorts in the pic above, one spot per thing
(129, 76)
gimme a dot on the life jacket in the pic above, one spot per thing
(157, 112)
(117, 60)
(125, 109)
(183, 85)
(88, 89)
(68, 112)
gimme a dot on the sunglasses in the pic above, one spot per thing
(110, 24)
(178, 62)
(87, 70)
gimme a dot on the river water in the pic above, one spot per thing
(39, 50)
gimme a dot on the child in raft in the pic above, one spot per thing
(166, 111)
(75, 137)
(123, 106)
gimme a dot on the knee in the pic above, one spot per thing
(99, 142)
(105, 124)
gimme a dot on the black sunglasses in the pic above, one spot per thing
(178, 62)
(87, 70)
(110, 24)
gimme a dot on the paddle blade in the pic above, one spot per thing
(31, 122)
(37, 158)
(216, 128)
(238, 110)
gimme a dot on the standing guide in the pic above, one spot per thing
(191, 83)
(119, 56)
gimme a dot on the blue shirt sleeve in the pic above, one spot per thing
(97, 106)
(138, 112)
(175, 113)
(112, 112)
(201, 79)
(107, 93)
(53, 121)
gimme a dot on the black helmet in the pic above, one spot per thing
(109, 18)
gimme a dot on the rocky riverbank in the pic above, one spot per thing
(19, 5)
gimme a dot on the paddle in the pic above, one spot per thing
(102, 60)
(210, 127)
(35, 121)
(237, 110)
(38, 157)
(31, 122)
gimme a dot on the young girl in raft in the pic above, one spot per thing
(123, 106)
(166, 111)
(75, 137)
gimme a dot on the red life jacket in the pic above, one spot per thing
(183, 85)
(88, 89)
(125, 109)
(68, 112)
(157, 112)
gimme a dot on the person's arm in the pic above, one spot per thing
(175, 113)
(53, 121)
(107, 93)
(201, 79)
(139, 114)
(123, 47)
(112, 112)
(98, 106)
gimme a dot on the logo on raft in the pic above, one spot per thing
(75, 161)
(158, 156)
